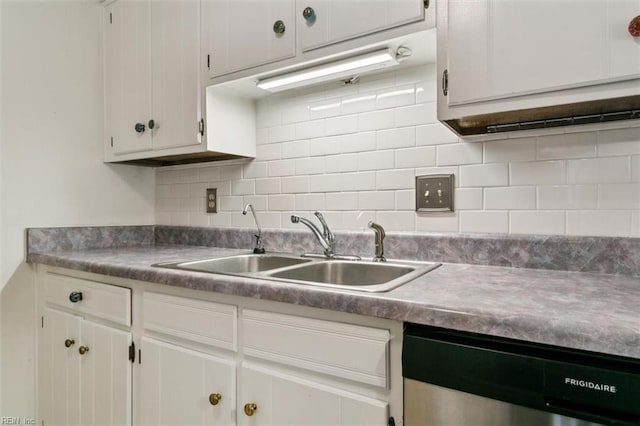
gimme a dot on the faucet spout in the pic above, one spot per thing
(258, 249)
(326, 245)
(379, 238)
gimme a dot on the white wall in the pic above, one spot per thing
(51, 166)
(353, 153)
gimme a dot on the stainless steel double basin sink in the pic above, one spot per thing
(345, 274)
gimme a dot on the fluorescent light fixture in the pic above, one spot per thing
(330, 71)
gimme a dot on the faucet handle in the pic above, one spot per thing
(325, 228)
(379, 238)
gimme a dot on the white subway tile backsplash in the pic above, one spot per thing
(567, 145)
(353, 152)
(375, 160)
(468, 199)
(416, 157)
(434, 134)
(282, 133)
(619, 142)
(395, 179)
(281, 202)
(484, 175)
(255, 169)
(269, 152)
(358, 142)
(416, 114)
(310, 129)
(268, 186)
(396, 97)
(537, 222)
(376, 200)
(295, 184)
(503, 151)
(362, 181)
(375, 120)
(443, 222)
(565, 197)
(310, 202)
(282, 168)
(459, 153)
(396, 138)
(599, 223)
(396, 221)
(295, 149)
(619, 196)
(325, 146)
(342, 201)
(512, 198)
(341, 125)
(538, 173)
(599, 170)
(341, 163)
(484, 221)
(243, 187)
(310, 166)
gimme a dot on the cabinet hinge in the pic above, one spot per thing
(139, 356)
(426, 4)
(132, 352)
(391, 422)
(110, 18)
(42, 322)
(201, 127)
(111, 141)
(445, 82)
(208, 61)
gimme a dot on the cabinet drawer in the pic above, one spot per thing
(100, 300)
(200, 321)
(349, 351)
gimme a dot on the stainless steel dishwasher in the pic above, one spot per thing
(465, 379)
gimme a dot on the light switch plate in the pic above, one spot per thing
(434, 193)
(212, 200)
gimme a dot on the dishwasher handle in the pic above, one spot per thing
(591, 414)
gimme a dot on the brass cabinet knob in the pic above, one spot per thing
(634, 27)
(69, 342)
(83, 350)
(214, 398)
(250, 408)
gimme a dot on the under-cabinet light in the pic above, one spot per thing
(331, 71)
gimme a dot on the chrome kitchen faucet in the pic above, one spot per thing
(258, 249)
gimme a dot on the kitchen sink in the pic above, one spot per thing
(343, 274)
(355, 275)
(240, 264)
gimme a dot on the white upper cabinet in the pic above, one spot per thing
(245, 34)
(505, 55)
(324, 22)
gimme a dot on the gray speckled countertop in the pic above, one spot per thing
(590, 311)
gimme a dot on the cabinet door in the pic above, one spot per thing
(105, 376)
(59, 369)
(337, 21)
(176, 384)
(283, 400)
(240, 34)
(175, 73)
(500, 49)
(127, 75)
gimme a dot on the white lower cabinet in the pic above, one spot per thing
(273, 398)
(207, 359)
(85, 373)
(185, 387)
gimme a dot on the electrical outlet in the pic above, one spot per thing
(212, 200)
(434, 193)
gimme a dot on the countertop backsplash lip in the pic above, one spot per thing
(608, 255)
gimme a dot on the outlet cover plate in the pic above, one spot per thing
(212, 200)
(434, 193)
